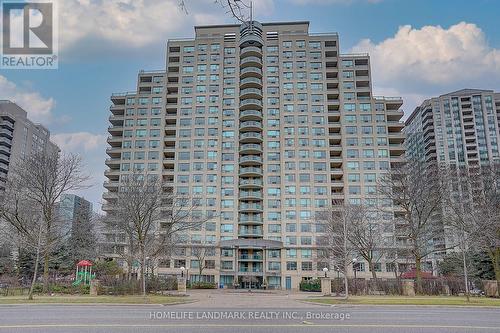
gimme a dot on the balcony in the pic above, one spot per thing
(251, 148)
(251, 61)
(6, 141)
(250, 137)
(250, 82)
(112, 161)
(5, 150)
(250, 195)
(395, 125)
(251, 221)
(251, 172)
(115, 141)
(250, 72)
(251, 39)
(250, 115)
(115, 130)
(251, 183)
(250, 257)
(251, 232)
(399, 136)
(250, 160)
(249, 51)
(250, 103)
(109, 195)
(250, 93)
(250, 270)
(250, 207)
(116, 119)
(109, 173)
(111, 184)
(338, 184)
(250, 126)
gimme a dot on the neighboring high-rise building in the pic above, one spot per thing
(74, 211)
(268, 124)
(460, 128)
(456, 130)
(19, 137)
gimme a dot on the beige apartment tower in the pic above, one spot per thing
(267, 124)
(19, 137)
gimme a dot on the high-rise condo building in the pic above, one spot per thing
(457, 131)
(75, 211)
(267, 124)
(19, 137)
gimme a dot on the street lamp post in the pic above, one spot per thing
(182, 271)
(355, 268)
(325, 270)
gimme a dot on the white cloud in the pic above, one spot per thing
(79, 141)
(38, 107)
(87, 25)
(92, 149)
(433, 60)
(131, 23)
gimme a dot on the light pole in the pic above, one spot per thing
(182, 271)
(325, 270)
(355, 268)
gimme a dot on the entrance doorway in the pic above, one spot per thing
(250, 282)
(288, 282)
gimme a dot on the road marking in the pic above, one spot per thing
(246, 325)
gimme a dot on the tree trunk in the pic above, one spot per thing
(346, 281)
(466, 277)
(48, 223)
(46, 258)
(495, 260)
(143, 265)
(37, 261)
(418, 270)
(371, 264)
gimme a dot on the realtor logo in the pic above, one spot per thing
(29, 35)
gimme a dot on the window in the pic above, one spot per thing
(307, 266)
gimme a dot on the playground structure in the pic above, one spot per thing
(83, 273)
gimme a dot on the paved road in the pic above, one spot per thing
(221, 313)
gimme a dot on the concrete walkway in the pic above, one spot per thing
(245, 299)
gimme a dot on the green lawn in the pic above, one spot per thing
(400, 300)
(78, 299)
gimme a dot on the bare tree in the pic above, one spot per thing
(201, 252)
(473, 212)
(364, 232)
(367, 236)
(415, 188)
(152, 216)
(24, 225)
(241, 10)
(487, 207)
(43, 177)
(457, 209)
(336, 247)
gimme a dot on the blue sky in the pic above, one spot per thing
(418, 49)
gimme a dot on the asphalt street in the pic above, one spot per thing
(193, 318)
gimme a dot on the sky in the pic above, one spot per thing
(418, 49)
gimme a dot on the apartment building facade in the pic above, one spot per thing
(457, 130)
(267, 124)
(19, 137)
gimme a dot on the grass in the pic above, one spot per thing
(417, 300)
(85, 299)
